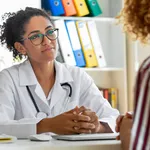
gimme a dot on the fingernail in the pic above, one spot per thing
(93, 126)
(88, 118)
(74, 112)
(76, 128)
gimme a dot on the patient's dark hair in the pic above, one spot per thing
(13, 27)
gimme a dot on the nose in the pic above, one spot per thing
(46, 40)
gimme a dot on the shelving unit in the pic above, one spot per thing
(114, 48)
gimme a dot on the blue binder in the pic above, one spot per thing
(75, 43)
(55, 6)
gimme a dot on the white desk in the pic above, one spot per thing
(62, 145)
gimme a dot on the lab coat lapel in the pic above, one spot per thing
(39, 92)
(26, 74)
(59, 94)
(28, 78)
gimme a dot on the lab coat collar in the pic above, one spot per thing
(27, 76)
(62, 73)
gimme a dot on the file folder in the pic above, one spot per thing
(75, 43)
(55, 6)
(86, 44)
(45, 5)
(69, 7)
(96, 43)
(81, 7)
(93, 7)
(64, 42)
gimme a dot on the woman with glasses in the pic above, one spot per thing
(42, 95)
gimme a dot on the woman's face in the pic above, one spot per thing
(37, 51)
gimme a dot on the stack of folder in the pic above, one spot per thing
(72, 7)
(79, 43)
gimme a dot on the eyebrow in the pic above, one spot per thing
(35, 31)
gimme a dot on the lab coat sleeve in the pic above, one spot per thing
(92, 98)
(20, 128)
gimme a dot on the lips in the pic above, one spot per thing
(48, 49)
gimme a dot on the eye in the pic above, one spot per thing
(35, 36)
(50, 32)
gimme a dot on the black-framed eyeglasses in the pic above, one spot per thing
(37, 39)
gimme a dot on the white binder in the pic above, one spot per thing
(96, 43)
(75, 42)
(64, 42)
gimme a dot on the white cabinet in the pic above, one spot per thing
(114, 47)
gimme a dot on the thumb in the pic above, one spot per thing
(74, 111)
(129, 115)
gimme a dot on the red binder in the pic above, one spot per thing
(69, 7)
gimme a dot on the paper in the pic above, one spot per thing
(7, 138)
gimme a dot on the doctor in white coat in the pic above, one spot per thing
(42, 95)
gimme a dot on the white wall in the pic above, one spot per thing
(12, 6)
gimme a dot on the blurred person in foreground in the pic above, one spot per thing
(135, 128)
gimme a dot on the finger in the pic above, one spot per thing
(79, 117)
(119, 119)
(84, 125)
(77, 130)
(117, 129)
(92, 115)
(129, 115)
(118, 137)
(82, 109)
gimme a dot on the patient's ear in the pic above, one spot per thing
(20, 48)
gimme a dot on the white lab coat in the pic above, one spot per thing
(17, 112)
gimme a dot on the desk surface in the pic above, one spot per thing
(62, 145)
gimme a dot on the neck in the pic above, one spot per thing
(43, 71)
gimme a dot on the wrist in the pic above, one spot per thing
(104, 128)
(44, 126)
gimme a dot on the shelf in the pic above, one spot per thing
(103, 69)
(101, 19)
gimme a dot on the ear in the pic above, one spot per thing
(20, 48)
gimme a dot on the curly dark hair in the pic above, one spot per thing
(135, 18)
(13, 27)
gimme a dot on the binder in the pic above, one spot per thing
(113, 97)
(55, 6)
(45, 5)
(81, 7)
(86, 44)
(93, 7)
(64, 42)
(69, 7)
(96, 43)
(75, 43)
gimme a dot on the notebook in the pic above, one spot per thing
(7, 138)
(83, 137)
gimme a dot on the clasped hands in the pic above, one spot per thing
(124, 125)
(75, 121)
